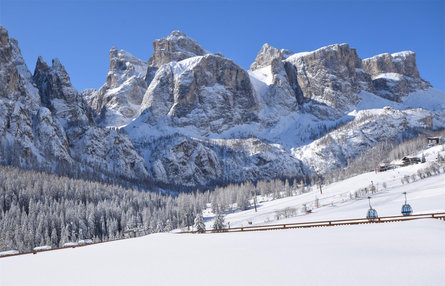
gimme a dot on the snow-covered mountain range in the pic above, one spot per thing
(188, 116)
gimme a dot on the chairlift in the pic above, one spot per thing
(406, 208)
(372, 213)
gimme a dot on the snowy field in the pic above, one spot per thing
(405, 253)
(408, 253)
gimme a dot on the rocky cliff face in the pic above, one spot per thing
(58, 95)
(328, 76)
(109, 151)
(28, 132)
(208, 92)
(193, 97)
(100, 148)
(267, 54)
(394, 75)
(176, 47)
(403, 63)
(184, 160)
(118, 101)
(270, 80)
(45, 123)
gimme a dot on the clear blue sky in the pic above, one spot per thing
(80, 33)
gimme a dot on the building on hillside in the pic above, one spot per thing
(432, 141)
(382, 167)
(410, 160)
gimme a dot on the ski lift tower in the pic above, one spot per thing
(406, 208)
(372, 213)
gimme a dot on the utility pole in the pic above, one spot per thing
(320, 182)
(254, 200)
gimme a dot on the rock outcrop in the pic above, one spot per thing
(102, 149)
(110, 151)
(58, 95)
(208, 92)
(118, 101)
(183, 160)
(394, 75)
(267, 54)
(328, 75)
(403, 63)
(46, 124)
(207, 96)
(28, 132)
(333, 76)
(176, 47)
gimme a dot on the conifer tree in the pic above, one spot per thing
(219, 223)
(199, 223)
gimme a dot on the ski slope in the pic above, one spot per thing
(335, 202)
(404, 253)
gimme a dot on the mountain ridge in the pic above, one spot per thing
(191, 117)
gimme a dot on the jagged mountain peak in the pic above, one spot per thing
(176, 35)
(15, 78)
(123, 65)
(41, 63)
(56, 64)
(56, 71)
(210, 92)
(267, 54)
(58, 94)
(4, 36)
(117, 101)
(175, 47)
(56, 67)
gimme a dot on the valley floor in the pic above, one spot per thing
(405, 253)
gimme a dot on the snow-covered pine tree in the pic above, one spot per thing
(199, 223)
(168, 226)
(219, 222)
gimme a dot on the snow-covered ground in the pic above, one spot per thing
(426, 195)
(408, 253)
(405, 253)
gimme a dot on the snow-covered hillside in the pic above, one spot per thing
(405, 253)
(347, 199)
